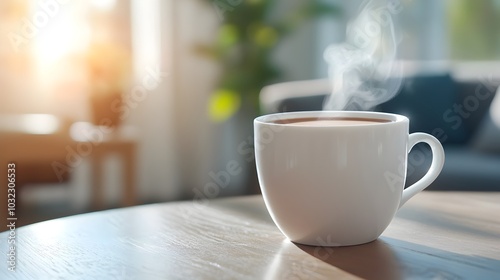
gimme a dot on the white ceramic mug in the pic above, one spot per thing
(337, 185)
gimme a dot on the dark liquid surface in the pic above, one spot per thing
(333, 121)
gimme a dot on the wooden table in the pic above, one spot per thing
(436, 235)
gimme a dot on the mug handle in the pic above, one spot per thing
(434, 170)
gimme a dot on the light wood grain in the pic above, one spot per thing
(436, 235)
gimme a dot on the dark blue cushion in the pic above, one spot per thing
(428, 101)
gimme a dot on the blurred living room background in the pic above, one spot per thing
(110, 103)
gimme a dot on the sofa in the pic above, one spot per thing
(461, 114)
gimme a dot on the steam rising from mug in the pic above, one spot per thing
(362, 69)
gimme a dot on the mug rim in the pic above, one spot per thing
(269, 119)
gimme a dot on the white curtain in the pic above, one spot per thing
(178, 144)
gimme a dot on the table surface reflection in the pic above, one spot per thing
(436, 235)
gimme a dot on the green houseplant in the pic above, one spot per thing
(248, 34)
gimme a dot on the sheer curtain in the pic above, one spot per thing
(180, 146)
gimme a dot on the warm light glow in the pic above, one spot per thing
(58, 43)
(104, 5)
(64, 36)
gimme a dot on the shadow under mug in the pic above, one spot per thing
(328, 184)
